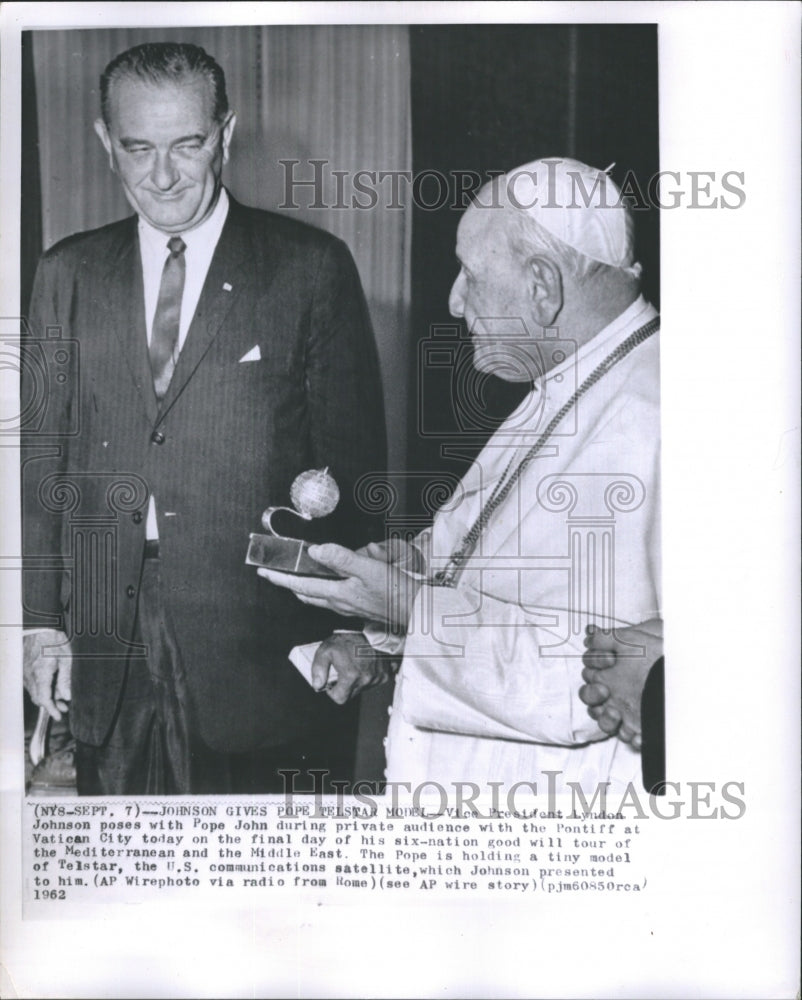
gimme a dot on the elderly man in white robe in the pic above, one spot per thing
(554, 527)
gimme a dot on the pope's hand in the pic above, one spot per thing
(358, 666)
(46, 654)
(370, 589)
(401, 554)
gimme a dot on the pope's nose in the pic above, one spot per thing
(456, 299)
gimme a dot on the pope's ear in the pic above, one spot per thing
(103, 134)
(546, 290)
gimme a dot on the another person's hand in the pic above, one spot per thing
(46, 655)
(616, 667)
(358, 666)
(371, 588)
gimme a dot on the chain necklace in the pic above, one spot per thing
(447, 577)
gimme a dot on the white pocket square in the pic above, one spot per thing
(253, 355)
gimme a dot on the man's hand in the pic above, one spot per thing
(46, 655)
(401, 554)
(358, 666)
(371, 589)
(616, 667)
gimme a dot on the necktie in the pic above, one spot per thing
(164, 336)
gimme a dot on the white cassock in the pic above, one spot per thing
(488, 687)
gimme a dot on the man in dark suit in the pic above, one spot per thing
(220, 352)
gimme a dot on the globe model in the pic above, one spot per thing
(314, 493)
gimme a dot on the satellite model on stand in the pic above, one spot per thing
(313, 494)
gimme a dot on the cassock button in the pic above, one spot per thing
(157, 437)
(130, 590)
(136, 517)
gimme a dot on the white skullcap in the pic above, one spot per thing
(579, 205)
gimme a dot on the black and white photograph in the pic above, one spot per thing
(144, 480)
(401, 490)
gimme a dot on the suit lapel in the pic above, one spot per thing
(124, 298)
(228, 278)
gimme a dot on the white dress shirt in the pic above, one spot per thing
(201, 243)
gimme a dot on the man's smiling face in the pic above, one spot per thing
(167, 149)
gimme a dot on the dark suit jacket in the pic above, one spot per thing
(653, 726)
(227, 442)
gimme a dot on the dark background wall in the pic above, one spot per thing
(488, 98)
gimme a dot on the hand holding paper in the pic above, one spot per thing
(346, 664)
(47, 657)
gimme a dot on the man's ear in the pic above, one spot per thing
(546, 290)
(103, 134)
(228, 131)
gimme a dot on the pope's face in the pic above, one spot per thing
(167, 149)
(491, 295)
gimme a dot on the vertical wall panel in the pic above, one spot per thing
(341, 94)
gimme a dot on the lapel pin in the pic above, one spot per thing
(226, 286)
